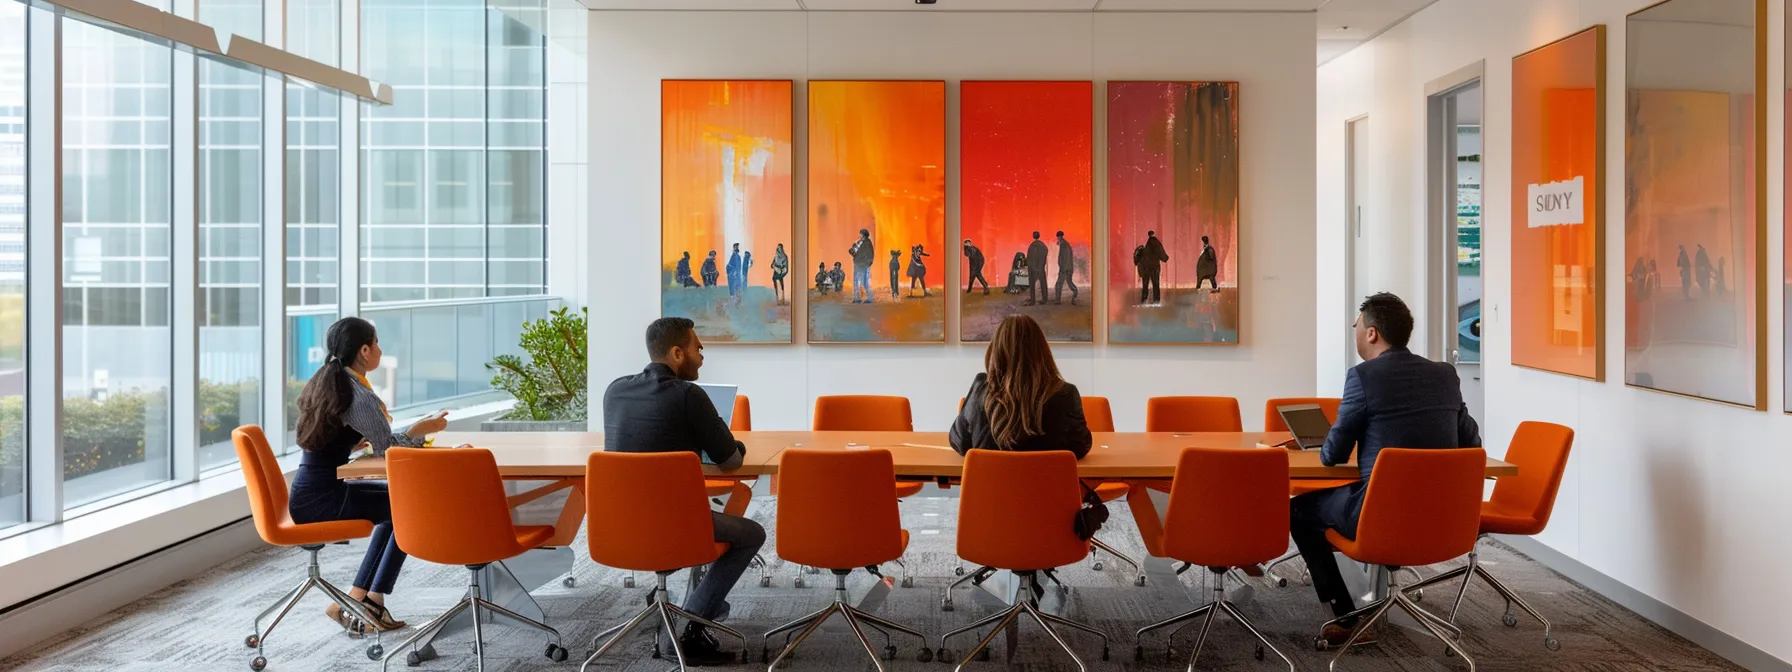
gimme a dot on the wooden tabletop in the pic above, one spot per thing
(916, 454)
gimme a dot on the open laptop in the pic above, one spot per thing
(723, 397)
(1308, 424)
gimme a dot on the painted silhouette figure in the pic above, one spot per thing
(821, 277)
(709, 270)
(1017, 274)
(837, 278)
(1066, 271)
(746, 266)
(1207, 268)
(1722, 286)
(736, 276)
(1685, 265)
(1036, 257)
(917, 271)
(895, 272)
(1702, 264)
(974, 261)
(862, 252)
(683, 273)
(1151, 269)
(780, 268)
(1639, 280)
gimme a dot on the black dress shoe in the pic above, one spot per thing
(702, 650)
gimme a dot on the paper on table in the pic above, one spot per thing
(924, 445)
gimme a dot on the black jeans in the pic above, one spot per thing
(321, 499)
(1148, 286)
(1310, 515)
(744, 538)
(1065, 279)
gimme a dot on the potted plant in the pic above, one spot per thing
(549, 384)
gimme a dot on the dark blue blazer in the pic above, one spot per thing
(1397, 400)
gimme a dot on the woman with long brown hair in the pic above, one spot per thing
(338, 414)
(1020, 402)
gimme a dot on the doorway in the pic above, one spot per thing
(1356, 194)
(1453, 286)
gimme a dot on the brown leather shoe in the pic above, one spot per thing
(1336, 635)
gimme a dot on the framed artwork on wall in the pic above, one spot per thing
(1558, 202)
(726, 196)
(1026, 207)
(1172, 174)
(1695, 213)
(877, 212)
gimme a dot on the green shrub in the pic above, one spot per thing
(551, 384)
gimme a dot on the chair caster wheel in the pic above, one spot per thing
(890, 652)
(1418, 595)
(943, 655)
(376, 652)
(1259, 652)
(570, 582)
(1140, 581)
(1319, 644)
(656, 652)
(1138, 653)
(1281, 582)
(258, 664)
(1449, 652)
(1551, 644)
(556, 653)
(765, 582)
(925, 655)
(958, 571)
(412, 659)
(1104, 653)
(946, 604)
(1510, 620)
(1096, 566)
(628, 582)
(800, 584)
(908, 582)
(252, 641)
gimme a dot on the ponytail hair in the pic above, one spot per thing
(324, 403)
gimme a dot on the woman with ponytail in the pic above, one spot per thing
(338, 414)
(1020, 402)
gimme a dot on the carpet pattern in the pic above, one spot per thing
(200, 624)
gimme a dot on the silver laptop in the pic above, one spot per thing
(1308, 424)
(723, 396)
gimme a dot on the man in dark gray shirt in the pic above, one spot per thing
(662, 410)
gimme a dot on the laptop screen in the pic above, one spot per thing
(723, 397)
(1307, 423)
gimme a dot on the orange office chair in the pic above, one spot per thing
(268, 505)
(1017, 512)
(449, 508)
(1228, 509)
(1422, 508)
(867, 413)
(646, 512)
(837, 509)
(1100, 417)
(1192, 414)
(1272, 422)
(1521, 505)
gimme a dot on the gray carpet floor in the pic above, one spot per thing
(200, 624)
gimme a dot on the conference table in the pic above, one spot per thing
(540, 464)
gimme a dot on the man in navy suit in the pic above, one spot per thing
(1394, 399)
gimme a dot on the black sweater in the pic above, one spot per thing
(1065, 428)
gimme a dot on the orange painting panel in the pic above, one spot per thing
(726, 191)
(1558, 184)
(877, 165)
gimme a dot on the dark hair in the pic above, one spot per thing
(326, 397)
(667, 333)
(1060, 234)
(1390, 317)
(1035, 235)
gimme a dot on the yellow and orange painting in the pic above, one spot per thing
(726, 250)
(877, 211)
(1558, 186)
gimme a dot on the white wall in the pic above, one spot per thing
(1664, 494)
(1270, 54)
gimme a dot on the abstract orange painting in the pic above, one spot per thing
(877, 211)
(725, 208)
(1558, 189)
(1027, 207)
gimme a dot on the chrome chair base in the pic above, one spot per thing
(1095, 561)
(1474, 569)
(1027, 605)
(479, 605)
(313, 579)
(1396, 597)
(1209, 611)
(855, 618)
(666, 611)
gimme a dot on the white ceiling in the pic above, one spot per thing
(1342, 24)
